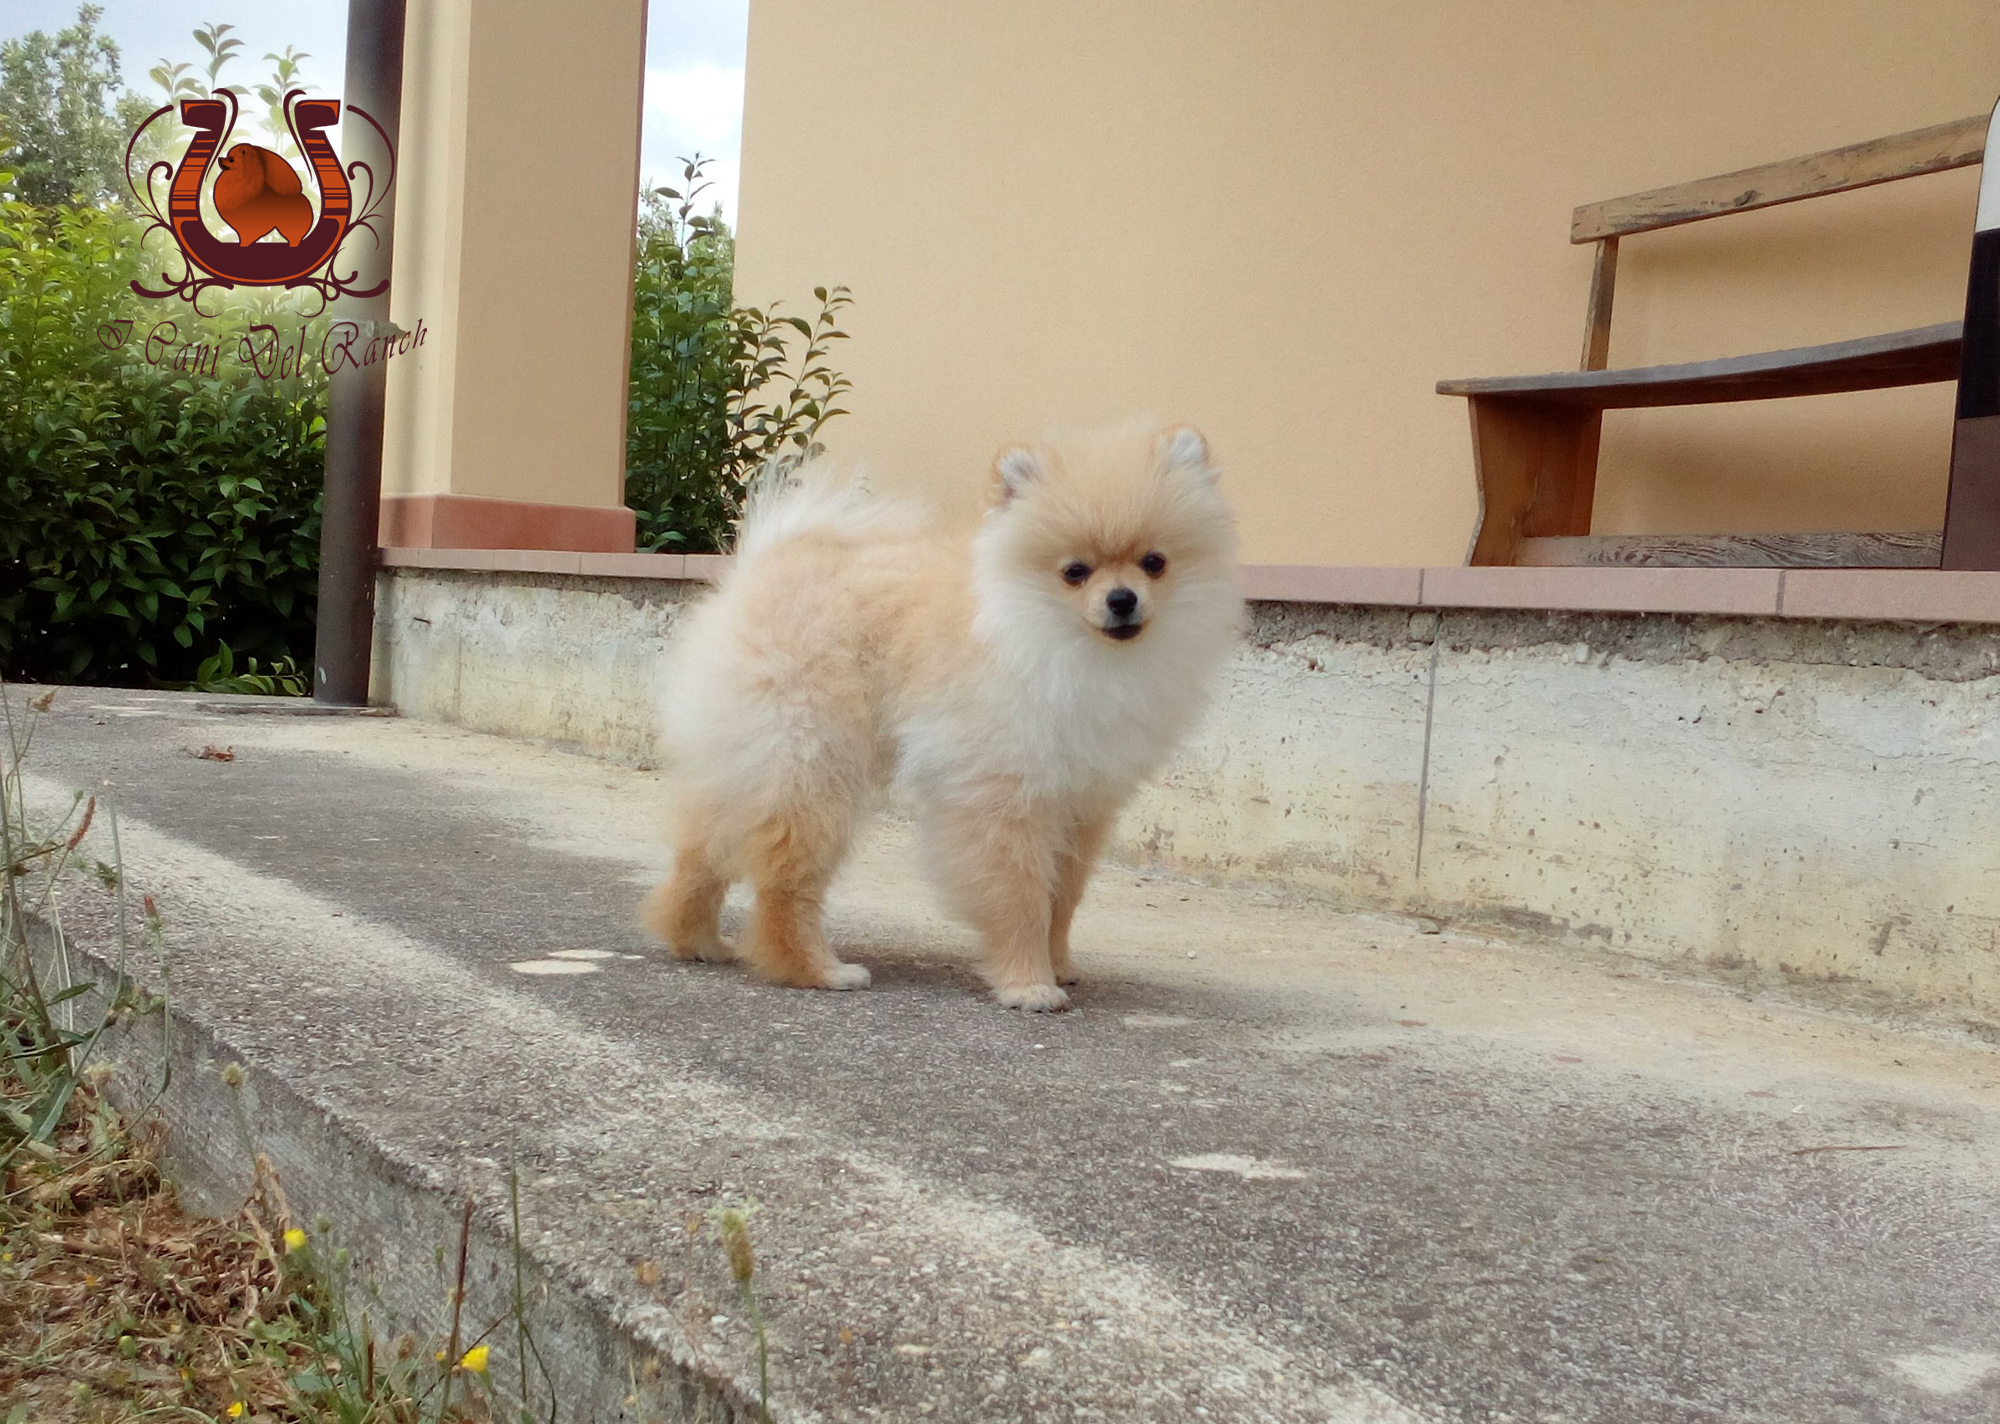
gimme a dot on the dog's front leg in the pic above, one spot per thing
(1075, 860)
(999, 866)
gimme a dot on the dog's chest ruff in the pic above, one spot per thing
(1051, 731)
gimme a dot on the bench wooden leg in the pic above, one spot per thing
(1537, 470)
(1972, 506)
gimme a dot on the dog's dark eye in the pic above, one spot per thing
(1075, 573)
(1154, 564)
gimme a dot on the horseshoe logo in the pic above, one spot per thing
(258, 194)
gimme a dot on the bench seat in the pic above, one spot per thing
(1917, 357)
(1535, 438)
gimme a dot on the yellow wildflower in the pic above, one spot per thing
(475, 1359)
(294, 1239)
(236, 1410)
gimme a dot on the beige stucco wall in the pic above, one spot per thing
(1286, 221)
(514, 238)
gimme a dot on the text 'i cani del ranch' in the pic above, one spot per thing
(267, 350)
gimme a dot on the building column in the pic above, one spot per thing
(516, 198)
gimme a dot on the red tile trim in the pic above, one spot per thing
(408, 558)
(1745, 591)
(1329, 583)
(706, 567)
(1917, 595)
(653, 566)
(463, 521)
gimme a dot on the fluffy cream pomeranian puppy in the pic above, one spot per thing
(1017, 688)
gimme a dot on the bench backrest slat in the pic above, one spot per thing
(1958, 144)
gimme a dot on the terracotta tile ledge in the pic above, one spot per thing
(1904, 595)
(446, 521)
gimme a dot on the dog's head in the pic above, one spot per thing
(1113, 536)
(245, 163)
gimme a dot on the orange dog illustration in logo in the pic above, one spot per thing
(257, 193)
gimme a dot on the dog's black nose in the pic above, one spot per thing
(1121, 602)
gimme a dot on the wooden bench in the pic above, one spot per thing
(1535, 438)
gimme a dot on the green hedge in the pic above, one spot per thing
(159, 520)
(148, 516)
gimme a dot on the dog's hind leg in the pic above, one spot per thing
(686, 911)
(791, 859)
(1074, 862)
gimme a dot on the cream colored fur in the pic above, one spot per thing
(855, 643)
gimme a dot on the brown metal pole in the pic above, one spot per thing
(357, 394)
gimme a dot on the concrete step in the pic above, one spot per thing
(1281, 1163)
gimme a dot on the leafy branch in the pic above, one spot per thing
(716, 389)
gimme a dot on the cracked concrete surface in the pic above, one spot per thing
(1281, 1164)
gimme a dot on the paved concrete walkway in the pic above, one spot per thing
(1281, 1164)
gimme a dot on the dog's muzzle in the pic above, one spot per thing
(1122, 606)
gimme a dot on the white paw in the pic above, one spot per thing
(709, 951)
(1033, 998)
(845, 976)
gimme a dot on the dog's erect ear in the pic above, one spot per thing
(1013, 471)
(1184, 449)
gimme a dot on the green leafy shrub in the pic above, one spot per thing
(218, 673)
(147, 514)
(716, 389)
(157, 520)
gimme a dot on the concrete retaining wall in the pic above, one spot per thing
(1813, 799)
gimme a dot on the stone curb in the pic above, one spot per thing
(400, 1221)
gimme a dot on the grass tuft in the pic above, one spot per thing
(732, 1229)
(115, 1304)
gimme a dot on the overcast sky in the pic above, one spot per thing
(694, 62)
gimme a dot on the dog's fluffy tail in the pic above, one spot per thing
(821, 495)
